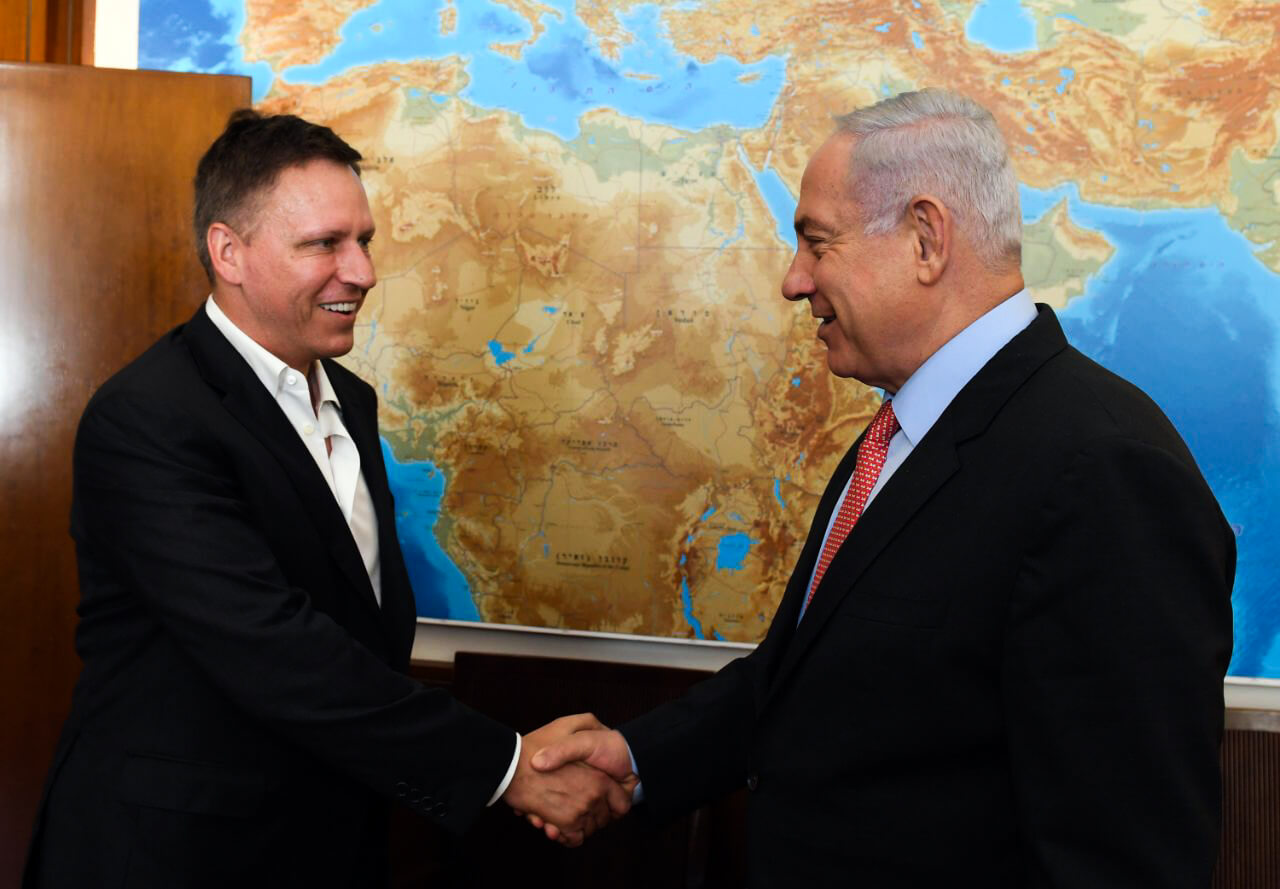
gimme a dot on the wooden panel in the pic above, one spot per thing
(15, 21)
(68, 38)
(96, 261)
(1250, 857)
(47, 31)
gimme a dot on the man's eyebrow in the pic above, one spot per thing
(806, 223)
(321, 234)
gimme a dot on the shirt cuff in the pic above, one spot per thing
(637, 795)
(511, 773)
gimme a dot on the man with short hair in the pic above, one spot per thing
(243, 717)
(999, 660)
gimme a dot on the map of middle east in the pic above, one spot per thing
(597, 410)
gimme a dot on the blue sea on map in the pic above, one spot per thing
(1183, 308)
(440, 588)
(563, 74)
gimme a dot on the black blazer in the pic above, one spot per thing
(1011, 673)
(242, 715)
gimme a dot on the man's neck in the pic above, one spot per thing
(233, 307)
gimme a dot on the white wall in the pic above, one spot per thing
(115, 34)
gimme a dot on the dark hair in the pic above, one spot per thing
(247, 158)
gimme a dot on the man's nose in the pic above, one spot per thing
(356, 268)
(797, 283)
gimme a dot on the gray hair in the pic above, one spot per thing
(945, 144)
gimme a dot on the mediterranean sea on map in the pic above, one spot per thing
(1183, 306)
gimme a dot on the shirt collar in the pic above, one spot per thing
(268, 368)
(323, 386)
(928, 391)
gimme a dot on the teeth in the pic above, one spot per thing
(341, 308)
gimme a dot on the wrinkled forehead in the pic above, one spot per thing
(825, 187)
(829, 167)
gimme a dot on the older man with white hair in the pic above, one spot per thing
(999, 660)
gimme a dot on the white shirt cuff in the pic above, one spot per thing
(511, 773)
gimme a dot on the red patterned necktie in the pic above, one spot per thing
(871, 454)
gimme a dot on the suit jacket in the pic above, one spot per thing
(1011, 673)
(242, 716)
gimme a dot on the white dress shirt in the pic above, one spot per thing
(341, 468)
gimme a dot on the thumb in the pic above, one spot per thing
(575, 748)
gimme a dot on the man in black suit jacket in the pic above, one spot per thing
(243, 716)
(1010, 673)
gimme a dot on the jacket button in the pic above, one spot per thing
(753, 781)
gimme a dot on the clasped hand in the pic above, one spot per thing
(569, 781)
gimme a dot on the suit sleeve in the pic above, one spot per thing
(1119, 637)
(695, 749)
(157, 504)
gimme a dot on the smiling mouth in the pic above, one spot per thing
(340, 308)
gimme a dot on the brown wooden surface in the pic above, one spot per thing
(15, 25)
(68, 32)
(47, 31)
(1250, 856)
(97, 260)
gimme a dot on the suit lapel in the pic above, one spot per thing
(933, 461)
(927, 469)
(779, 638)
(245, 398)
(398, 611)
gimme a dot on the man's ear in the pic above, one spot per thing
(933, 235)
(226, 252)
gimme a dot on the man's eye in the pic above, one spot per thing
(323, 243)
(364, 244)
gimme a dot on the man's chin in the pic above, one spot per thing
(337, 347)
(841, 365)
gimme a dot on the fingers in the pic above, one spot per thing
(564, 727)
(618, 798)
(574, 802)
(575, 748)
(578, 722)
(604, 750)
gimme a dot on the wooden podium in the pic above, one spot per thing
(97, 260)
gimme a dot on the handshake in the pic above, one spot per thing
(573, 778)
